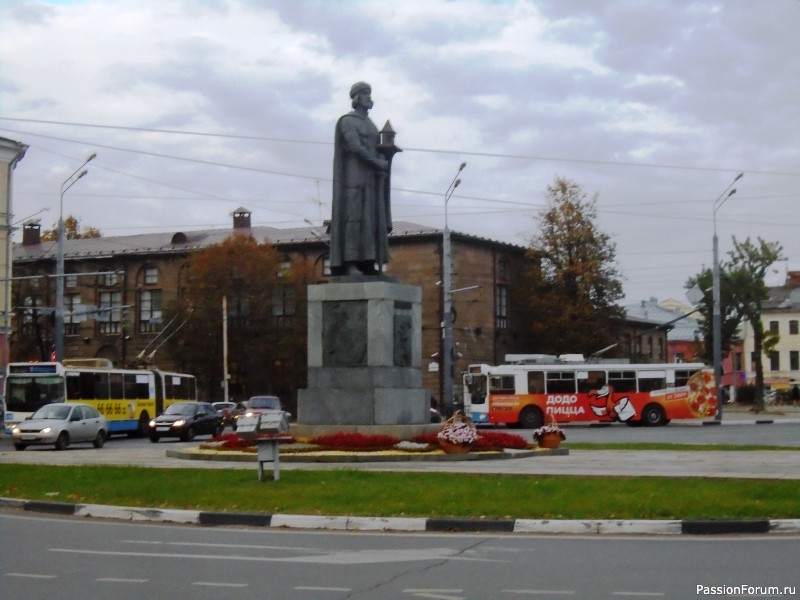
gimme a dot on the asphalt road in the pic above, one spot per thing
(86, 559)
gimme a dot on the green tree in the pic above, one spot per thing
(574, 282)
(745, 272)
(72, 230)
(266, 320)
(730, 318)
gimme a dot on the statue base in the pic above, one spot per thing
(364, 355)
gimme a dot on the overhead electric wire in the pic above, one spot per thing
(528, 157)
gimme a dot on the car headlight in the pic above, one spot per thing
(47, 430)
(15, 430)
(179, 423)
(249, 413)
(152, 423)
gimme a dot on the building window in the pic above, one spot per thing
(774, 361)
(793, 330)
(239, 310)
(150, 275)
(502, 307)
(284, 306)
(74, 314)
(110, 279)
(285, 268)
(110, 312)
(773, 327)
(794, 360)
(71, 280)
(30, 316)
(150, 311)
(502, 269)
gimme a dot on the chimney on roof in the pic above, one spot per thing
(241, 218)
(32, 233)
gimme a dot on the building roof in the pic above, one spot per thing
(181, 242)
(683, 327)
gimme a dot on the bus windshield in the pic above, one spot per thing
(26, 393)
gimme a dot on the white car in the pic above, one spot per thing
(61, 424)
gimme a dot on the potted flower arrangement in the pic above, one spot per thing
(549, 435)
(458, 434)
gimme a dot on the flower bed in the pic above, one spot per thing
(485, 441)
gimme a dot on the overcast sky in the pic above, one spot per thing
(196, 108)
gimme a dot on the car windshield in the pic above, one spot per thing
(264, 402)
(180, 409)
(60, 413)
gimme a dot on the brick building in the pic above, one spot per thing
(116, 287)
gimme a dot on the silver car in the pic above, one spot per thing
(61, 424)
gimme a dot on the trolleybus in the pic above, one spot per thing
(531, 389)
(127, 398)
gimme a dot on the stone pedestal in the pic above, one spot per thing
(364, 354)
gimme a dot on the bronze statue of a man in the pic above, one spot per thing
(361, 217)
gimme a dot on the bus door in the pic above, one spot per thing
(475, 392)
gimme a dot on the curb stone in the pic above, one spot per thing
(435, 525)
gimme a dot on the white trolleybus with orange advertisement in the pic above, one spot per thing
(533, 388)
(127, 398)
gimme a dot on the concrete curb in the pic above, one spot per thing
(389, 524)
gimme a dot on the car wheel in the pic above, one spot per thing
(530, 418)
(218, 431)
(188, 435)
(20, 446)
(653, 415)
(62, 441)
(99, 439)
(154, 438)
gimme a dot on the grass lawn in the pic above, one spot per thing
(360, 493)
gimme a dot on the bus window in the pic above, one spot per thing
(116, 385)
(476, 386)
(622, 381)
(652, 380)
(86, 385)
(682, 377)
(561, 382)
(100, 386)
(501, 384)
(74, 387)
(594, 380)
(536, 382)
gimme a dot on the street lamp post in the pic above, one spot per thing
(59, 308)
(716, 323)
(447, 303)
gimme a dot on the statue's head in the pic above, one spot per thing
(357, 90)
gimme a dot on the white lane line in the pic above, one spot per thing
(435, 594)
(311, 588)
(541, 592)
(219, 584)
(31, 575)
(636, 594)
(120, 580)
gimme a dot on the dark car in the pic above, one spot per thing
(260, 404)
(227, 410)
(186, 420)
